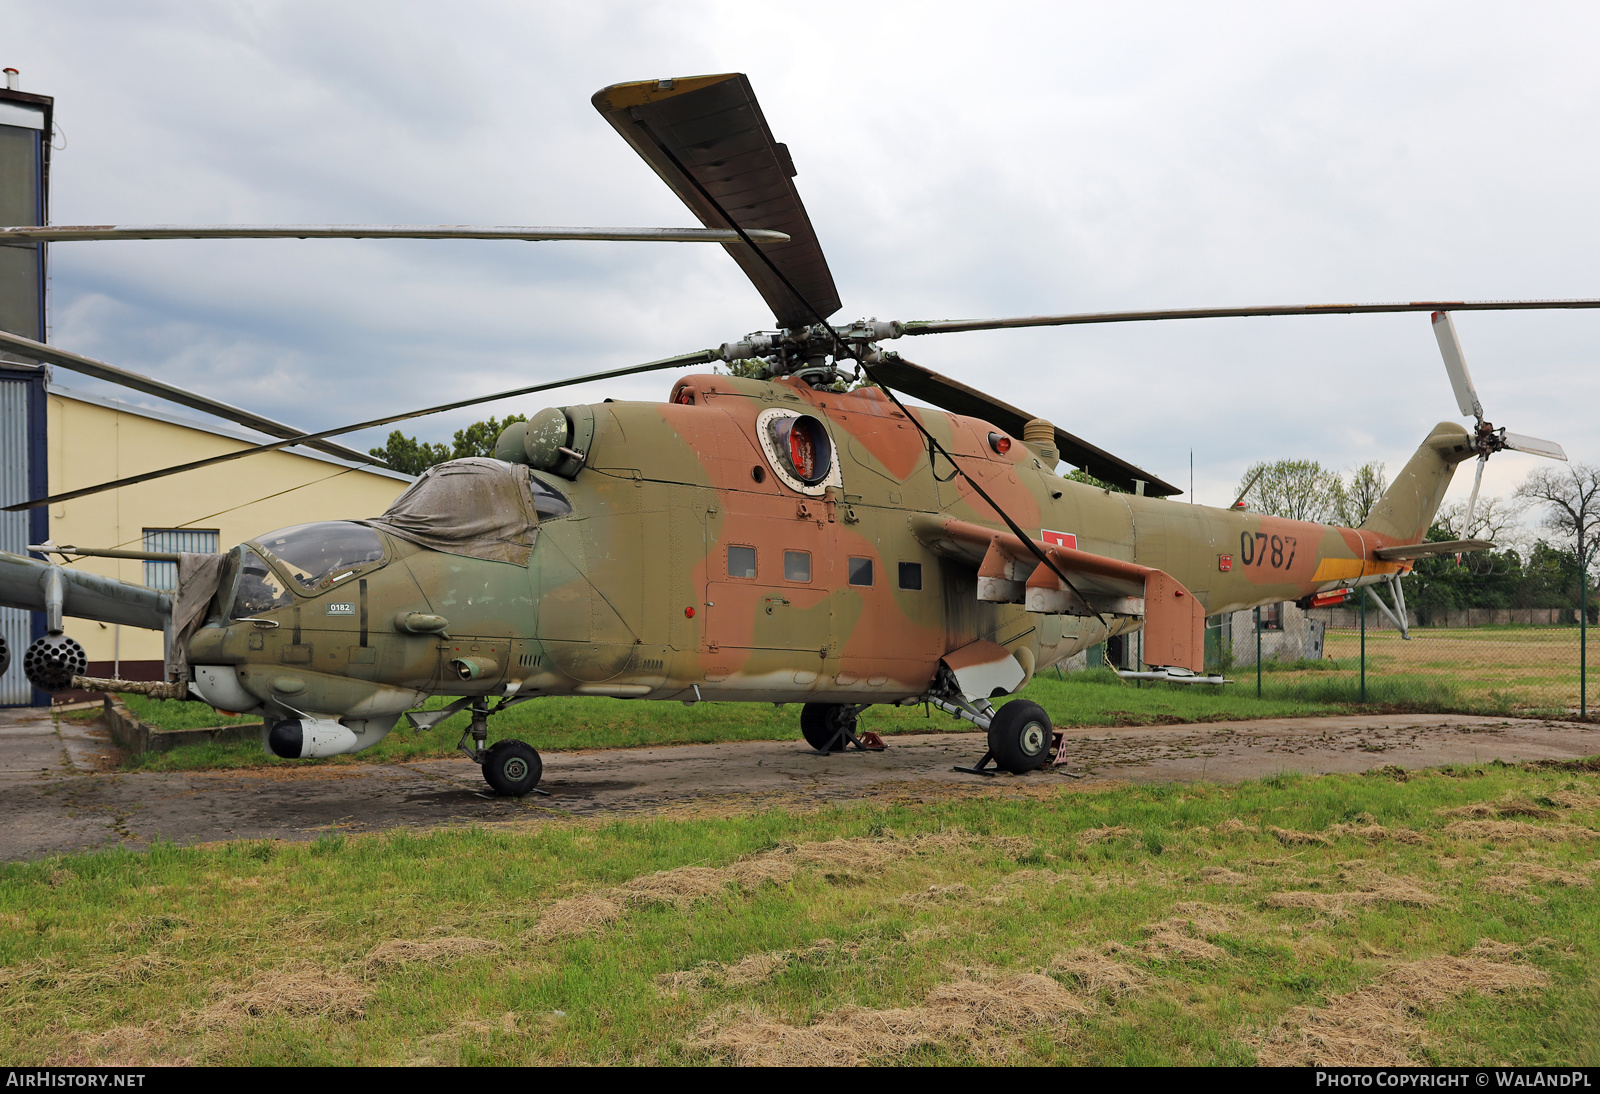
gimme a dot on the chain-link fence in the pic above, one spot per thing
(1519, 660)
(1516, 660)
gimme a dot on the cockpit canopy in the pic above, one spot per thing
(313, 556)
(317, 555)
(480, 508)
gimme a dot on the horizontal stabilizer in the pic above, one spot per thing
(1432, 550)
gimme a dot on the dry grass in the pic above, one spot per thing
(296, 991)
(1500, 809)
(1234, 825)
(1290, 838)
(578, 915)
(1508, 831)
(686, 886)
(1014, 883)
(938, 894)
(964, 1014)
(1521, 874)
(1376, 833)
(1098, 835)
(123, 1046)
(433, 951)
(1182, 937)
(1221, 875)
(755, 969)
(1098, 974)
(1368, 888)
(1375, 1026)
(681, 888)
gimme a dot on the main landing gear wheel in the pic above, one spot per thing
(512, 768)
(821, 723)
(1019, 736)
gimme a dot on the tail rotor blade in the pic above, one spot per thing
(1444, 329)
(1472, 502)
(1533, 446)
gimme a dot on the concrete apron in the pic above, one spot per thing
(50, 803)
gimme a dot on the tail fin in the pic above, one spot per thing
(1406, 510)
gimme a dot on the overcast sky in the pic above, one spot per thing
(958, 160)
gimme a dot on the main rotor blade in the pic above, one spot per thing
(710, 130)
(39, 351)
(958, 398)
(1455, 363)
(1533, 446)
(953, 326)
(61, 233)
(699, 357)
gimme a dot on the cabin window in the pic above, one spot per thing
(860, 571)
(741, 562)
(797, 565)
(911, 575)
(164, 575)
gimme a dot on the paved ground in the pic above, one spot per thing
(53, 799)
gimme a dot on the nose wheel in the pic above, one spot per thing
(511, 768)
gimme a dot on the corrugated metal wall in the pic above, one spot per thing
(25, 127)
(15, 464)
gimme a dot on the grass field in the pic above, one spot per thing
(1517, 667)
(1443, 917)
(1093, 698)
(1486, 670)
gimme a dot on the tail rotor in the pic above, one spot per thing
(1486, 439)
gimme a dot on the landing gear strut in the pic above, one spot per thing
(512, 768)
(1020, 733)
(831, 727)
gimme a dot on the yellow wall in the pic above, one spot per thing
(92, 443)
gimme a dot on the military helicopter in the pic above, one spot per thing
(778, 536)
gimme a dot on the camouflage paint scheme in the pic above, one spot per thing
(630, 595)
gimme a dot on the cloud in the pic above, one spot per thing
(1017, 159)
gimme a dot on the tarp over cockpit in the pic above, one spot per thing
(477, 507)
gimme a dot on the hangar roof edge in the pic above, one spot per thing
(218, 430)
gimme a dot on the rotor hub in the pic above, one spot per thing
(813, 353)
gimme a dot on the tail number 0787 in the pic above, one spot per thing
(1260, 549)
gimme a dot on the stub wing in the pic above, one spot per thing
(36, 586)
(1094, 585)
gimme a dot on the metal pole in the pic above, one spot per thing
(1258, 651)
(1583, 639)
(1363, 644)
